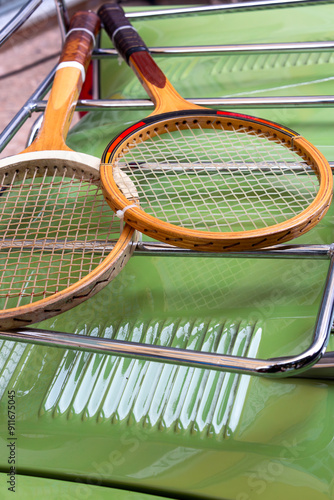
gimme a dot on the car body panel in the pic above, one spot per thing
(181, 432)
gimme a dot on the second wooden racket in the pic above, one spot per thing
(204, 179)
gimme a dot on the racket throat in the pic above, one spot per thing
(157, 86)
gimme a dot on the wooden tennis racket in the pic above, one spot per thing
(55, 224)
(204, 179)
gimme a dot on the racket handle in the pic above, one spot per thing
(134, 51)
(80, 39)
(123, 35)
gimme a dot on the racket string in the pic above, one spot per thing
(206, 197)
(11, 258)
(33, 283)
(250, 191)
(53, 233)
(237, 202)
(216, 179)
(211, 141)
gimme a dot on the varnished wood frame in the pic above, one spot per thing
(212, 241)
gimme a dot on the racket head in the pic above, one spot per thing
(207, 180)
(254, 162)
(55, 224)
(56, 233)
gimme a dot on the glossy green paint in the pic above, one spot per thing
(176, 431)
(55, 489)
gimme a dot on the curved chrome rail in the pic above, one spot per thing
(313, 362)
(20, 18)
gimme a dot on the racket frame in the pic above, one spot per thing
(206, 240)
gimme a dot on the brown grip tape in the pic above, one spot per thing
(124, 36)
(80, 42)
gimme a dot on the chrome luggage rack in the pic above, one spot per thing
(313, 362)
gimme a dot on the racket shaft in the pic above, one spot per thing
(69, 78)
(132, 48)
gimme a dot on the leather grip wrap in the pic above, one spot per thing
(79, 41)
(124, 37)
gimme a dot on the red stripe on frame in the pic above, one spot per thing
(260, 120)
(123, 134)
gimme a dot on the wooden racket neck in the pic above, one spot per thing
(68, 81)
(59, 112)
(157, 86)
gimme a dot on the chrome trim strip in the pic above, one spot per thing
(213, 9)
(34, 104)
(34, 129)
(323, 369)
(156, 248)
(229, 49)
(63, 18)
(26, 111)
(274, 367)
(219, 102)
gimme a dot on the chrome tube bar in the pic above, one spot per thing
(34, 104)
(135, 350)
(34, 130)
(233, 7)
(323, 369)
(156, 248)
(96, 71)
(63, 19)
(326, 101)
(19, 19)
(217, 50)
(26, 111)
(274, 367)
